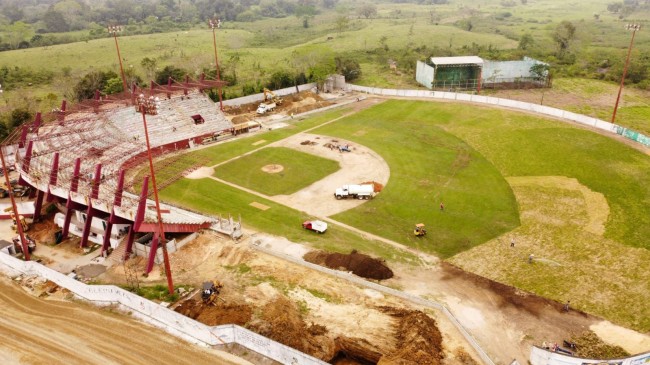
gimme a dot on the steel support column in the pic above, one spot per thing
(152, 253)
(90, 213)
(129, 243)
(74, 183)
(38, 204)
(116, 202)
(54, 174)
(142, 205)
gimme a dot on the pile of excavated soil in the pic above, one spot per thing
(280, 320)
(294, 103)
(377, 187)
(43, 231)
(214, 315)
(360, 264)
(418, 339)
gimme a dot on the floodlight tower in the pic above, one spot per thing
(114, 29)
(634, 28)
(214, 25)
(150, 106)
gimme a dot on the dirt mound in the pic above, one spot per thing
(273, 168)
(377, 187)
(281, 321)
(589, 345)
(294, 103)
(43, 231)
(214, 315)
(360, 264)
(418, 339)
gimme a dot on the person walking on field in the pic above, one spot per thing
(442, 206)
(566, 306)
(512, 243)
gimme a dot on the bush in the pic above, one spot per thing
(174, 72)
(348, 67)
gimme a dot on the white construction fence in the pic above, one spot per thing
(539, 356)
(260, 97)
(514, 104)
(159, 316)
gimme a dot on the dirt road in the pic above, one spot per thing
(38, 331)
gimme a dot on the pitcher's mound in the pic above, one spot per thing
(273, 168)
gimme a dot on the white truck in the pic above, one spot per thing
(265, 107)
(365, 191)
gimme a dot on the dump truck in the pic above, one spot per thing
(265, 107)
(365, 191)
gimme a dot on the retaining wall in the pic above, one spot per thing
(172, 322)
(514, 104)
(260, 97)
(539, 356)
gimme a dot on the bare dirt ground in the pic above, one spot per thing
(358, 166)
(314, 312)
(54, 331)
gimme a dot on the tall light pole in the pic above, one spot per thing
(150, 106)
(214, 25)
(634, 28)
(113, 29)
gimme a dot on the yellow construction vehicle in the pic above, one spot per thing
(419, 230)
(23, 222)
(210, 292)
(270, 96)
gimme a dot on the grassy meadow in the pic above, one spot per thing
(299, 170)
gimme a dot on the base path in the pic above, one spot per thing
(360, 165)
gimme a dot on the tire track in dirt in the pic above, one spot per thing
(37, 331)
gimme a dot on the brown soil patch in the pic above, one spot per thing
(281, 321)
(291, 104)
(419, 339)
(360, 264)
(273, 168)
(509, 295)
(214, 315)
(43, 231)
(259, 206)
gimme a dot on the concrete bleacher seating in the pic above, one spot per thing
(113, 136)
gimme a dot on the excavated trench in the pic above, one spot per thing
(417, 339)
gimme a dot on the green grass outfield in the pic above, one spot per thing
(424, 141)
(299, 170)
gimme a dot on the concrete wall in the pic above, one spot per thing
(260, 97)
(159, 316)
(424, 74)
(539, 356)
(508, 69)
(514, 104)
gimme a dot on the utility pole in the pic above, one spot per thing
(150, 106)
(113, 29)
(634, 28)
